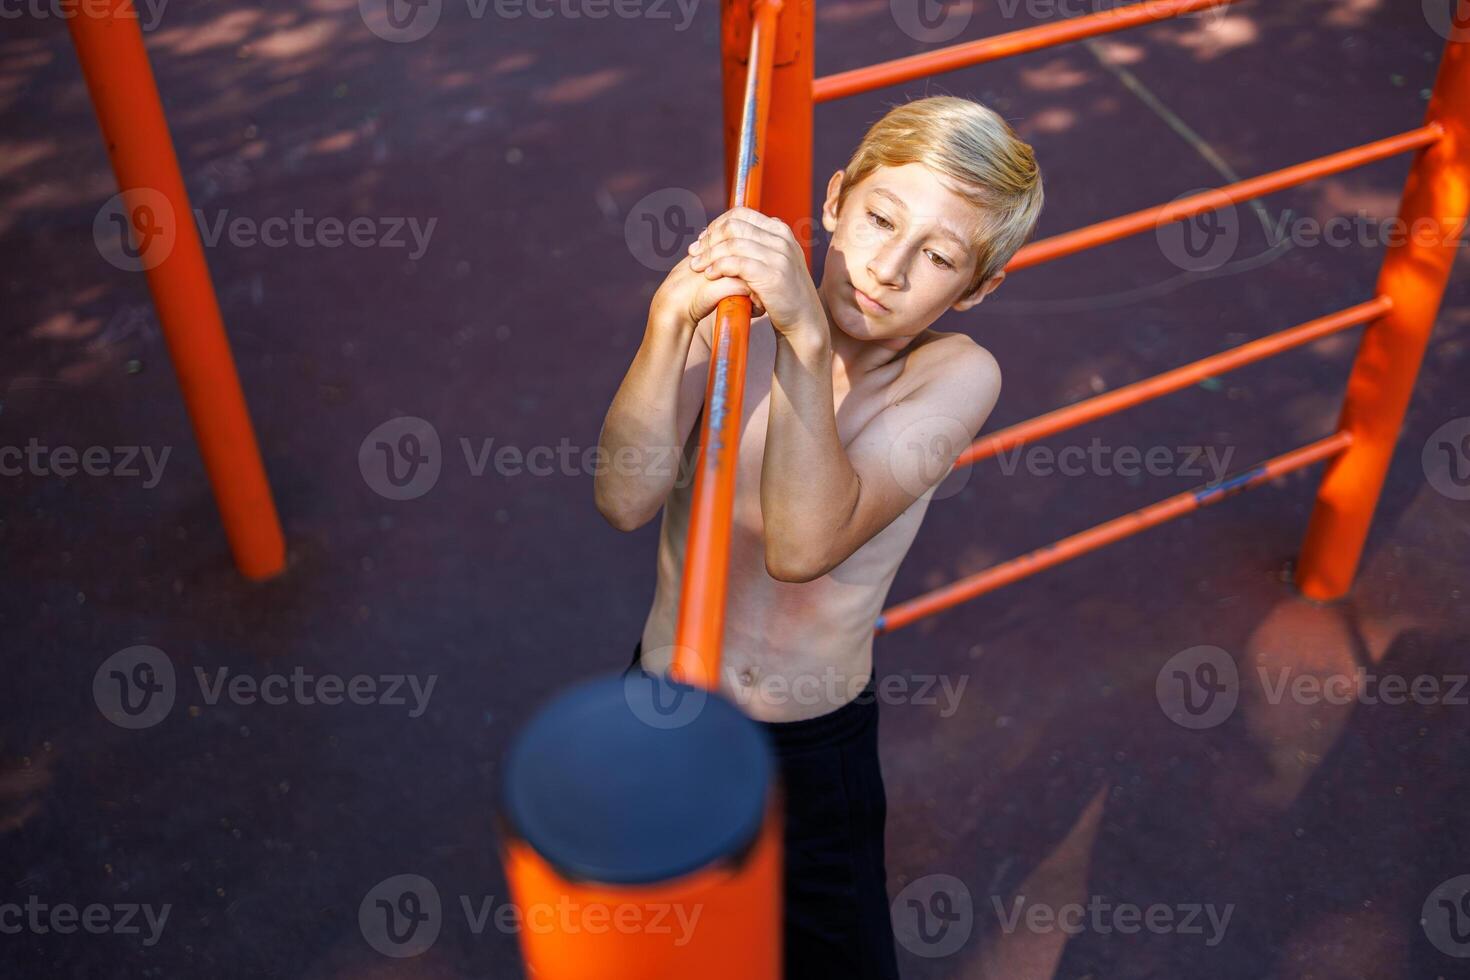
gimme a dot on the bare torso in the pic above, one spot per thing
(791, 650)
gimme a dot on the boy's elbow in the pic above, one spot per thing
(785, 567)
(622, 518)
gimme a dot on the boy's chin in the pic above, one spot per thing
(858, 327)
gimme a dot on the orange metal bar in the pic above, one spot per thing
(1115, 530)
(1434, 209)
(109, 43)
(1028, 39)
(786, 184)
(1170, 381)
(701, 626)
(1131, 224)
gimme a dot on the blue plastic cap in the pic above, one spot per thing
(637, 780)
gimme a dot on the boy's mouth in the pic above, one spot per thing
(867, 303)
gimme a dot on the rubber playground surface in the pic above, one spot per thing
(499, 292)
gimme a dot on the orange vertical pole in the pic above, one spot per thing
(1415, 271)
(109, 43)
(786, 191)
(700, 628)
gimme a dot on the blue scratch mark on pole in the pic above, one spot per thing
(718, 402)
(1209, 494)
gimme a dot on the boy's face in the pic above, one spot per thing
(900, 255)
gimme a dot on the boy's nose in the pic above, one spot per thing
(886, 267)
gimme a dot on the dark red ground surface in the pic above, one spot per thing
(1058, 776)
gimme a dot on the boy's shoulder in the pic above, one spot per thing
(948, 376)
(950, 359)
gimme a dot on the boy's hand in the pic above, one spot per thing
(685, 293)
(746, 246)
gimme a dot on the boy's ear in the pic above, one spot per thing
(983, 290)
(829, 206)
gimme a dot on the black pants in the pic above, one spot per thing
(835, 889)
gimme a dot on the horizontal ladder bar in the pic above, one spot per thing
(994, 48)
(1110, 402)
(1187, 207)
(1104, 534)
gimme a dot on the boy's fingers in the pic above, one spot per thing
(737, 229)
(743, 247)
(738, 266)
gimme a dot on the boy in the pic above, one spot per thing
(853, 411)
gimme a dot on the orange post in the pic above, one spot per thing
(165, 241)
(642, 841)
(1415, 271)
(786, 186)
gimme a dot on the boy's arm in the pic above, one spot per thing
(650, 419)
(820, 502)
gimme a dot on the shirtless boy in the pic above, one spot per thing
(854, 410)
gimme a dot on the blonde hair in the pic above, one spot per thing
(966, 141)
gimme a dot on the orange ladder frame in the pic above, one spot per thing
(1399, 315)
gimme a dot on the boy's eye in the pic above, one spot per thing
(940, 260)
(879, 220)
